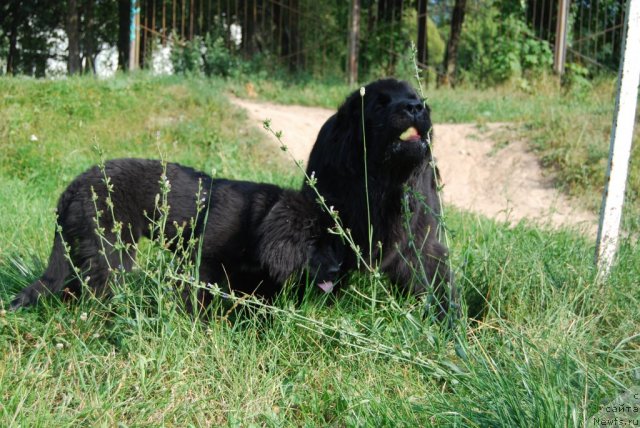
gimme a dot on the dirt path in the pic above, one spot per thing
(500, 181)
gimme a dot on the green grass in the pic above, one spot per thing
(548, 347)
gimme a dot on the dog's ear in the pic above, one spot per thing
(343, 136)
(351, 110)
(284, 238)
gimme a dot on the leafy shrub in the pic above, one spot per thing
(495, 48)
(576, 77)
(376, 58)
(186, 56)
(209, 56)
(218, 58)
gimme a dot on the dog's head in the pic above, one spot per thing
(396, 124)
(292, 241)
(324, 260)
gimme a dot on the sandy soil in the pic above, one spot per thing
(502, 181)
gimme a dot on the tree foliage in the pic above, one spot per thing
(499, 39)
(497, 45)
(32, 32)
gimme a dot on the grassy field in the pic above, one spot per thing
(547, 345)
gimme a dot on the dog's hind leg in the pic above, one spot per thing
(97, 262)
(51, 281)
(89, 266)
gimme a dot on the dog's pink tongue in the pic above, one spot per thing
(410, 134)
(326, 286)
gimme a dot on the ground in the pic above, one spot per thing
(501, 180)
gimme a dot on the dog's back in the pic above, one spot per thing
(120, 200)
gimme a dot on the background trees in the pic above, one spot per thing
(491, 40)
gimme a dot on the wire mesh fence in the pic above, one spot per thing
(594, 38)
(311, 36)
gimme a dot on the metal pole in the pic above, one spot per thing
(621, 137)
(560, 49)
(133, 34)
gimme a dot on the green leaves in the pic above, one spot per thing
(495, 48)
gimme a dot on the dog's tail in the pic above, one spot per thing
(51, 281)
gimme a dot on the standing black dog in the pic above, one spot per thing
(401, 179)
(254, 236)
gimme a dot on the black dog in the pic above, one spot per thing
(254, 236)
(401, 179)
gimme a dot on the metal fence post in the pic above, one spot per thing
(133, 35)
(560, 48)
(621, 138)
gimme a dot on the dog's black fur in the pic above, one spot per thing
(254, 236)
(399, 173)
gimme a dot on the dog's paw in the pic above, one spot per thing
(23, 299)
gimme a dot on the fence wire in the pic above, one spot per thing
(311, 36)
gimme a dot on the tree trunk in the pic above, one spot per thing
(449, 64)
(294, 36)
(276, 13)
(164, 23)
(124, 41)
(12, 57)
(146, 42)
(182, 20)
(281, 14)
(89, 39)
(192, 14)
(382, 10)
(249, 41)
(73, 33)
(422, 33)
(354, 36)
(174, 27)
(389, 27)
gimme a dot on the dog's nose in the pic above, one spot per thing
(413, 107)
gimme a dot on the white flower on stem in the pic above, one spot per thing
(33, 137)
(362, 91)
(83, 316)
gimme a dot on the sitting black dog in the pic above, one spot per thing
(373, 163)
(254, 236)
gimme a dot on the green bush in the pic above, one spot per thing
(218, 58)
(376, 59)
(495, 48)
(209, 56)
(186, 56)
(576, 77)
